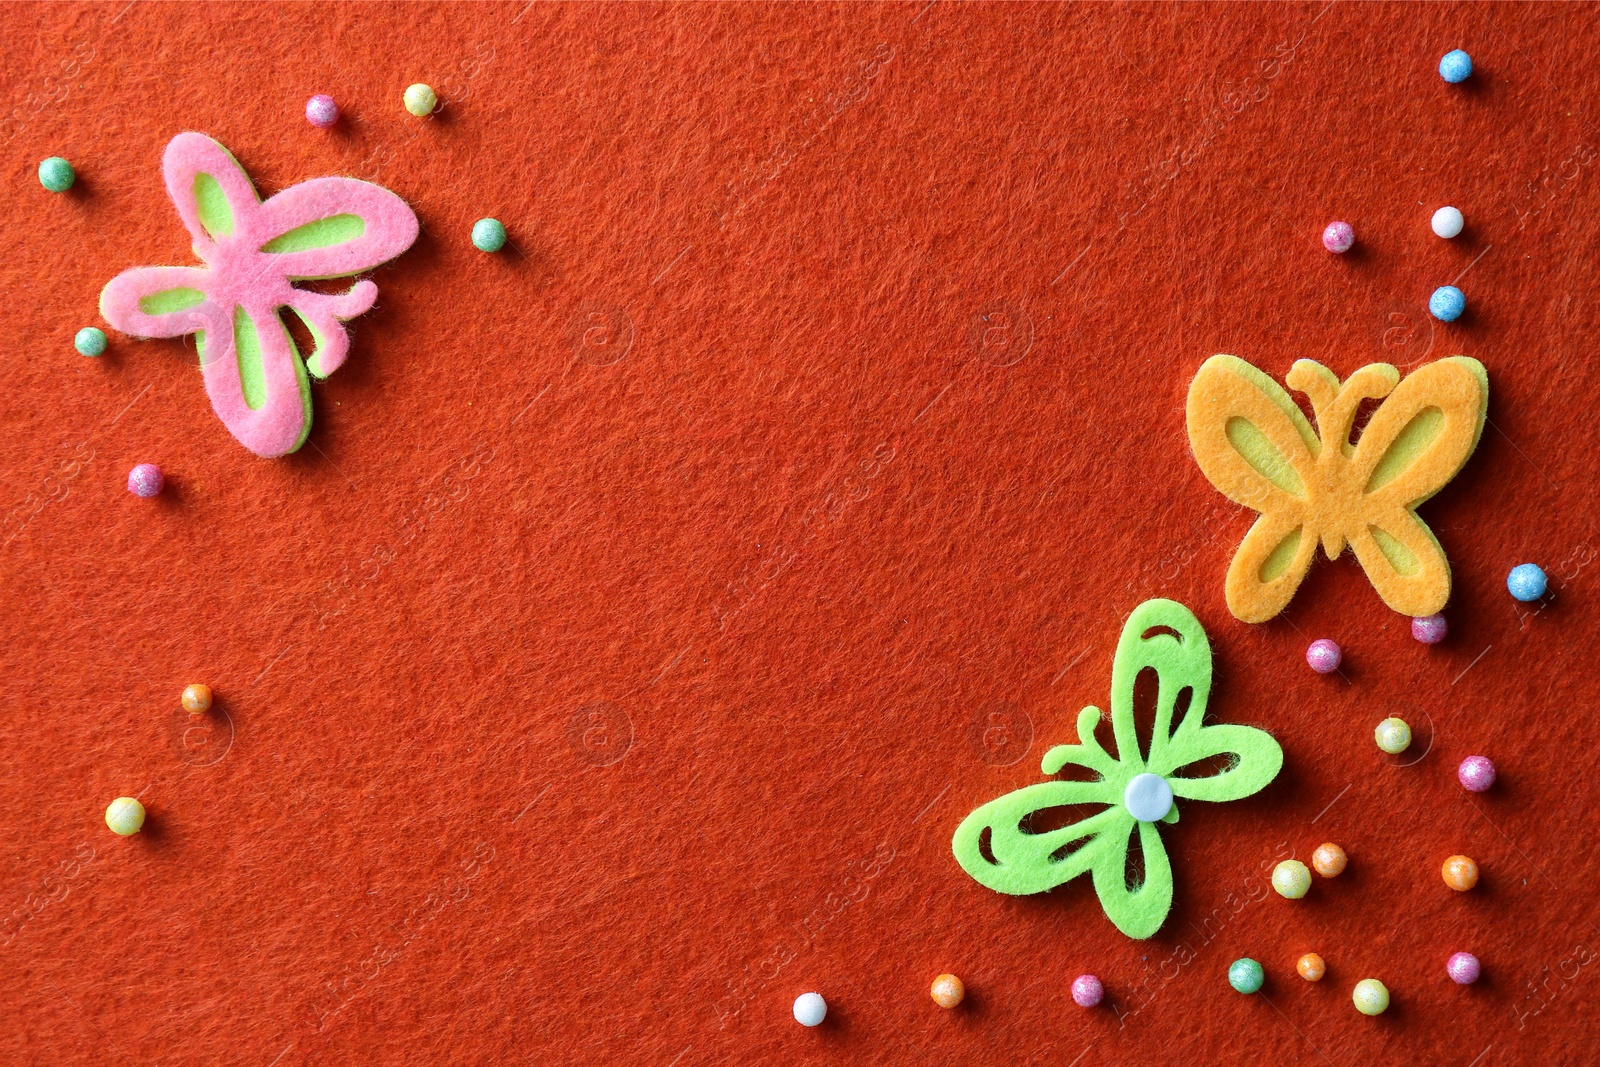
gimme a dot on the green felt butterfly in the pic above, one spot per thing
(998, 845)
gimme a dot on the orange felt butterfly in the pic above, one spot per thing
(1254, 445)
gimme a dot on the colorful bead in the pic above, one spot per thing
(90, 341)
(1463, 968)
(1329, 860)
(1087, 991)
(125, 816)
(57, 175)
(1311, 967)
(1460, 873)
(488, 235)
(1527, 582)
(321, 111)
(197, 699)
(1291, 879)
(947, 991)
(1447, 303)
(1324, 656)
(1476, 773)
(1246, 975)
(810, 1009)
(1430, 629)
(1148, 797)
(1455, 67)
(1371, 997)
(146, 480)
(420, 101)
(1338, 237)
(1448, 222)
(1393, 736)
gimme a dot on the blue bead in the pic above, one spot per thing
(90, 341)
(1527, 582)
(1447, 303)
(1246, 975)
(56, 174)
(1455, 67)
(488, 235)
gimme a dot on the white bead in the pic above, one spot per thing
(1447, 222)
(810, 1009)
(1148, 798)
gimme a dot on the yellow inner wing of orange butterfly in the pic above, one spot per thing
(1256, 447)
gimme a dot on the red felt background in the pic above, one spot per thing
(653, 599)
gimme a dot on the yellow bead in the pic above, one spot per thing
(1393, 736)
(947, 991)
(421, 99)
(1460, 873)
(1329, 860)
(197, 699)
(1311, 967)
(125, 816)
(1291, 879)
(1371, 997)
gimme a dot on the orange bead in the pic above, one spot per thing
(197, 699)
(1329, 860)
(1460, 873)
(947, 991)
(1311, 967)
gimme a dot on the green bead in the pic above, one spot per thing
(90, 341)
(421, 99)
(1246, 975)
(56, 174)
(488, 235)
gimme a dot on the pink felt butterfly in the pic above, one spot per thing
(253, 250)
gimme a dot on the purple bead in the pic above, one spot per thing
(1430, 629)
(1338, 237)
(1476, 773)
(1087, 990)
(321, 111)
(1324, 656)
(145, 480)
(1463, 968)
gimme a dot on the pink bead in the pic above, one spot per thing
(1338, 237)
(321, 111)
(1464, 968)
(145, 480)
(1476, 773)
(1430, 629)
(1324, 656)
(1087, 990)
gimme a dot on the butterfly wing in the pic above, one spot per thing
(1416, 441)
(256, 381)
(1253, 443)
(213, 194)
(158, 301)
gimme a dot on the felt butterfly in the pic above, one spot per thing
(1000, 844)
(1253, 443)
(253, 250)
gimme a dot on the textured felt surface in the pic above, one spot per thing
(651, 601)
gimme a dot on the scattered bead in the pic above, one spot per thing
(1430, 629)
(1476, 773)
(1527, 582)
(1311, 967)
(1393, 736)
(1329, 860)
(1463, 968)
(90, 341)
(1324, 656)
(1447, 303)
(146, 480)
(810, 1009)
(321, 111)
(488, 235)
(197, 699)
(1246, 975)
(1087, 991)
(420, 101)
(1460, 873)
(1448, 222)
(947, 991)
(1291, 879)
(57, 175)
(1371, 997)
(125, 816)
(1148, 797)
(1338, 237)
(1455, 67)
